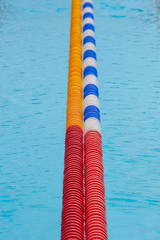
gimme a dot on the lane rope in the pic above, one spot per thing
(95, 208)
(72, 225)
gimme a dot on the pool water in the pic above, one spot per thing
(34, 47)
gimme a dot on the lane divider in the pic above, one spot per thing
(72, 226)
(95, 210)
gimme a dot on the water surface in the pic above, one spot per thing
(34, 46)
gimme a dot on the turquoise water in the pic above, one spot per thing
(34, 46)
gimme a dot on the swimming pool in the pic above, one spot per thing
(34, 47)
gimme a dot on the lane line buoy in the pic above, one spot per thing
(95, 210)
(78, 109)
(72, 226)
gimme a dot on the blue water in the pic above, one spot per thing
(34, 46)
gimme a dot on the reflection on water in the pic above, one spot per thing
(34, 42)
(2, 11)
(157, 17)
